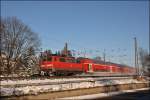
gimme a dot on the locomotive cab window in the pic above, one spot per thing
(43, 58)
(62, 60)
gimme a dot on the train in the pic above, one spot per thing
(67, 65)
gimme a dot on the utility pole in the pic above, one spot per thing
(0, 42)
(66, 49)
(136, 56)
(149, 28)
(104, 55)
(84, 53)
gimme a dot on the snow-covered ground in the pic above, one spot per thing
(69, 84)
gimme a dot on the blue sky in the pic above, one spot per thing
(91, 26)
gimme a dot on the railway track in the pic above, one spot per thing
(59, 77)
(58, 81)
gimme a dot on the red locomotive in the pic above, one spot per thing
(53, 64)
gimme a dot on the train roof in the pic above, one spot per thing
(110, 63)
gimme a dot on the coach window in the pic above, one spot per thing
(62, 60)
(72, 60)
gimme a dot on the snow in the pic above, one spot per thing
(62, 84)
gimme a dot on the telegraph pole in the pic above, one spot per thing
(84, 53)
(136, 56)
(0, 42)
(104, 55)
(149, 28)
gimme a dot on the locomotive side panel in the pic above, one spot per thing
(68, 66)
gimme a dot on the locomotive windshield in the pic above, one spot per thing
(49, 58)
(62, 60)
(45, 58)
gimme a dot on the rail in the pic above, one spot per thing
(64, 81)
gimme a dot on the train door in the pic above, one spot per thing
(90, 69)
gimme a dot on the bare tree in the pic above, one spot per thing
(19, 45)
(143, 57)
(148, 64)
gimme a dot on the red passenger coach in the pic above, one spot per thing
(87, 65)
